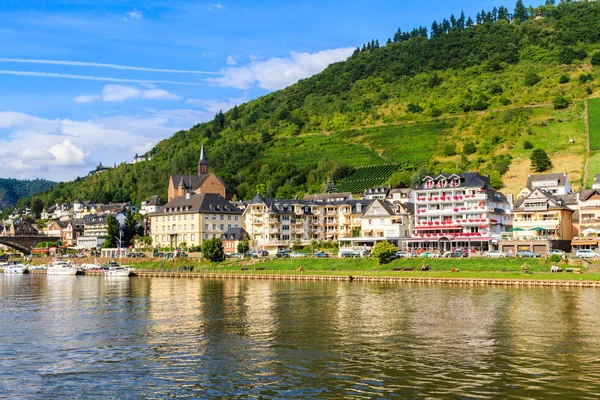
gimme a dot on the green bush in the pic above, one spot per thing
(384, 252)
(531, 78)
(413, 108)
(560, 102)
(585, 78)
(469, 148)
(527, 145)
(449, 149)
(554, 258)
(596, 59)
(564, 79)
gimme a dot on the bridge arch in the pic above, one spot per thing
(25, 244)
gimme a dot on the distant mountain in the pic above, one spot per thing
(471, 93)
(13, 189)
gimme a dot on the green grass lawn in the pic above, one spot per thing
(594, 123)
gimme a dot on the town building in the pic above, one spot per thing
(232, 238)
(587, 233)
(596, 183)
(193, 218)
(555, 184)
(458, 211)
(203, 182)
(99, 169)
(541, 222)
(152, 205)
(377, 193)
(328, 197)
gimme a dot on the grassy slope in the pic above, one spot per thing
(594, 131)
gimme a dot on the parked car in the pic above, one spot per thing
(322, 255)
(402, 254)
(454, 254)
(158, 254)
(297, 255)
(140, 255)
(253, 254)
(282, 254)
(430, 254)
(528, 254)
(130, 255)
(495, 254)
(556, 252)
(234, 255)
(349, 254)
(583, 253)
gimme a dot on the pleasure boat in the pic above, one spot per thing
(124, 270)
(61, 268)
(14, 267)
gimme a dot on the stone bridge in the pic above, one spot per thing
(25, 244)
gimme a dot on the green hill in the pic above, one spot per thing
(11, 190)
(464, 96)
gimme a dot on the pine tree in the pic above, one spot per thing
(330, 186)
(113, 228)
(520, 13)
(469, 22)
(540, 161)
(129, 228)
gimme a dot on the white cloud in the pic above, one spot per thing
(90, 77)
(159, 94)
(214, 106)
(277, 73)
(230, 61)
(135, 15)
(119, 93)
(86, 98)
(62, 149)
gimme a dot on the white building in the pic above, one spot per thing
(555, 184)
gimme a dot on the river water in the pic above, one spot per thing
(92, 337)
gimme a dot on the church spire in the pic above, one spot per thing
(202, 163)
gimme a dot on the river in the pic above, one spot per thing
(91, 337)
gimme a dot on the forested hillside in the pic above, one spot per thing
(11, 190)
(464, 95)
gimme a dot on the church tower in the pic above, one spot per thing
(202, 163)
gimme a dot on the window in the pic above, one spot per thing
(192, 237)
(184, 238)
(206, 216)
(205, 227)
(228, 226)
(192, 227)
(370, 222)
(185, 217)
(221, 217)
(180, 217)
(222, 226)
(163, 238)
(156, 238)
(236, 217)
(381, 222)
(214, 227)
(206, 236)
(286, 237)
(214, 217)
(285, 227)
(229, 217)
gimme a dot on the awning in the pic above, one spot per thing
(583, 242)
(537, 228)
(436, 227)
(516, 229)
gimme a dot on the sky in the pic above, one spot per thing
(90, 81)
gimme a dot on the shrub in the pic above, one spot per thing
(434, 80)
(588, 90)
(554, 258)
(384, 252)
(435, 112)
(540, 161)
(449, 149)
(480, 105)
(585, 78)
(568, 54)
(469, 148)
(531, 78)
(564, 79)
(527, 145)
(560, 102)
(495, 88)
(596, 59)
(212, 249)
(413, 108)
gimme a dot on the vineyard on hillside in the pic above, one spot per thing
(367, 177)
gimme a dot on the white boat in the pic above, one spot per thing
(61, 268)
(124, 270)
(12, 268)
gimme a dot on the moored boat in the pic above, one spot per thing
(61, 268)
(124, 270)
(14, 268)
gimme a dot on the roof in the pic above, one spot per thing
(202, 159)
(235, 234)
(555, 202)
(560, 179)
(193, 182)
(155, 201)
(199, 203)
(468, 179)
(327, 196)
(377, 190)
(587, 193)
(258, 199)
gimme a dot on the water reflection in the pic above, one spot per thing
(209, 338)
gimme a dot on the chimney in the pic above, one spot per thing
(188, 195)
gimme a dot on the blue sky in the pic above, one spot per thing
(83, 82)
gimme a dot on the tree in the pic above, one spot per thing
(244, 245)
(531, 77)
(113, 229)
(527, 145)
(596, 59)
(560, 102)
(564, 79)
(129, 228)
(496, 180)
(520, 14)
(212, 249)
(469, 148)
(37, 207)
(330, 186)
(384, 252)
(540, 161)
(449, 149)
